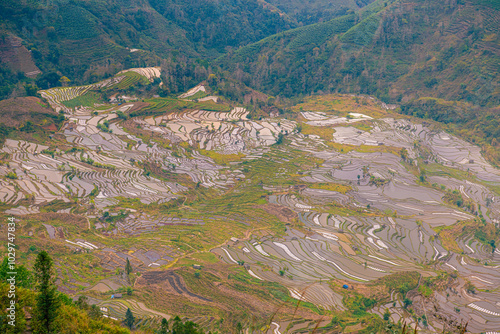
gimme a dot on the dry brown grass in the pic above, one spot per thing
(15, 112)
(341, 105)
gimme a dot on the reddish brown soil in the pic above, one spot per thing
(15, 112)
(282, 213)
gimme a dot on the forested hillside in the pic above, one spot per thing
(396, 50)
(438, 60)
(89, 40)
(313, 11)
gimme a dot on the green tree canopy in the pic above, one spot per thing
(47, 303)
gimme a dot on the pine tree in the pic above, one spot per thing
(47, 303)
(163, 327)
(129, 319)
(128, 267)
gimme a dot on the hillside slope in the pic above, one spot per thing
(89, 40)
(313, 11)
(397, 50)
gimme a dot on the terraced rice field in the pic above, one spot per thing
(370, 244)
(124, 79)
(404, 188)
(228, 133)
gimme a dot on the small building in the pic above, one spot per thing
(196, 266)
(345, 286)
(116, 295)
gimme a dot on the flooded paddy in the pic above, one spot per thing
(373, 201)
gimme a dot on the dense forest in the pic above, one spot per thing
(313, 11)
(389, 49)
(89, 40)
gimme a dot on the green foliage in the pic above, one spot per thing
(121, 115)
(76, 317)
(231, 23)
(358, 304)
(489, 3)
(129, 319)
(86, 100)
(188, 327)
(128, 267)
(91, 162)
(27, 127)
(94, 192)
(9, 80)
(425, 290)
(407, 302)
(390, 36)
(401, 282)
(47, 303)
(76, 23)
(11, 175)
(317, 34)
(364, 32)
(377, 181)
(56, 205)
(24, 278)
(279, 141)
(163, 327)
(104, 126)
(387, 315)
(479, 125)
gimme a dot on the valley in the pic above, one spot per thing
(253, 166)
(209, 205)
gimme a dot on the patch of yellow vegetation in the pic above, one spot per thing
(323, 132)
(363, 126)
(345, 148)
(490, 38)
(381, 148)
(450, 234)
(338, 104)
(222, 159)
(331, 186)
(198, 258)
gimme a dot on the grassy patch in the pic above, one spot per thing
(425, 291)
(86, 100)
(323, 132)
(331, 186)
(198, 258)
(131, 79)
(481, 231)
(341, 105)
(166, 105)
(401, 281)
(56, 205)
(434, 169)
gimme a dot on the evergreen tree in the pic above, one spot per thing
(128, 267)
(47, 303)
(163, 326)
(129, 319)
(188, 327)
